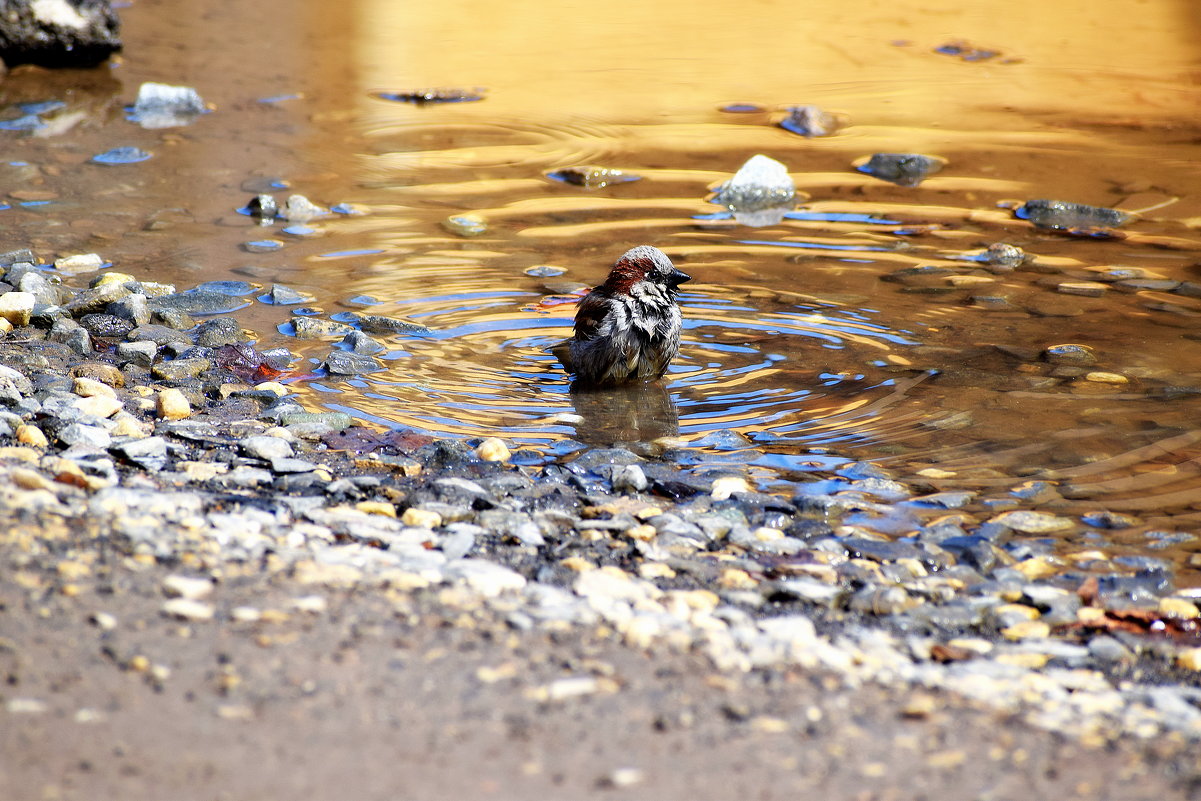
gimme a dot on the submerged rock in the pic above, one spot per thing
(160, 105)
(591, 177)
(902, 169)
(465, 224)
(263, 208)
(60, 33)
(760, 193)
(300, 209)
(1061, 215)
(423, 96)
(811, 121)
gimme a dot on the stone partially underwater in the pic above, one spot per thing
(58, 33)
(760, 193)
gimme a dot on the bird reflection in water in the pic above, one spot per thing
(638, 412)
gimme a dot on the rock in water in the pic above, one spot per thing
(760, 193)
(58, 33)
(902, 169)
(161, 105)
(1061, 215)
(810, 121)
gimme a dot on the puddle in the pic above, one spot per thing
(863, 324)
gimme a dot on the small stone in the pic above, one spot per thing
(17, 307)
(149, 453)
(79, 264)
(185, 609)
(376, 508)
(1027, 629)
(903, 169)
(340, 362)
(100, 406)
(1060, 215)
(629, 477)
(172, 405)
(1071, 354)
(32, 436)
(193, 589)
(1033, 522)
(421, 518)
(1189, 658)
(465, 224)
(1178, 608)
(180, 369)
(493, 449)
(760, 193)
(1106, 378)
(140, 353)
(161, 105)
(726, 486)
(1091, 289)
(810, 121)
(300, 209)
(266, 448)
(90, 387)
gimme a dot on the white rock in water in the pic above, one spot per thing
(161, 105)
(300, 209)
(760, 193)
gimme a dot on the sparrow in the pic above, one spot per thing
(628, 328)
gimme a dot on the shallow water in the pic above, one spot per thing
(806, 340)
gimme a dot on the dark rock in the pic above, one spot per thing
(12, 257)
(219, 331)
(378, 324)
(340, 362)
(180, 369)
(139, 353)
(903, 169)
(158, 334)
(106, 325)
(358, 342)
(198, 302)
(95, 300)
(134, 308)
(282, 295)
(1061, 215)
(72, 33)
(71, 334)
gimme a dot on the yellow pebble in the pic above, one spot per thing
(654, 570)
(1106, 378)
(1027, 629)
(493, 450)
(421, 518)
(31, 436)
(1029, 612)
(377, 508)
(112, 278)
(1178, 607)
(734, 579)
(577, 563)
(274, 387)
(1037, 567)
(1189, 658)
(172, 405)
(90, 388)
(644, 533)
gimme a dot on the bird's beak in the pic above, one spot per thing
(677, 277)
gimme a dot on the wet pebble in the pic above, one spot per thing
(903, 169)
(810, 121)
(340, 362)
(591, 177)
(760, 193)
(219, 331)
(160, 105)
(1061, 215)
(122, 155)
(198, 302)
(1070, 354)
(317, 328)
(281, 295)
(466, 225)
(263, 208)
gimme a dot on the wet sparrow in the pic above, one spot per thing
(628, 328)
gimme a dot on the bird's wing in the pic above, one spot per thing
(590, 314)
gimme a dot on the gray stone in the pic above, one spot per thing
(180, 369)
(149, 453)
(219, 331)
(141, 353)
(360, 343)
(134, 308)
(89, 436)
(340, 362)
(266, 447)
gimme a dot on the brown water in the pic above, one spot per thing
(793, 339)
